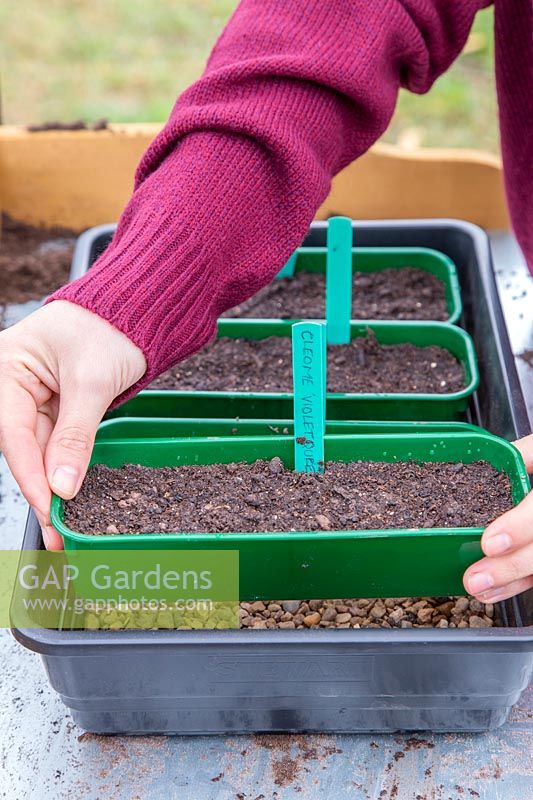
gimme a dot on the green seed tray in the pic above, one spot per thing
(395, 563)
(377, 259)
(184, 428)
(339, 406)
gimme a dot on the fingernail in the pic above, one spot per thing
(480, 582)
(64, 480)
(493, 597)
(495, 545)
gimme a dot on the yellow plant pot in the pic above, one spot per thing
(83, 178)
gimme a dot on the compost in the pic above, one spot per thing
(77, 125)
(33, 261)
(405, 293)
(364, 365)
(265, 496)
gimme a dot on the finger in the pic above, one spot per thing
(525, 446)
(43, 430)
(504, 592)
(51, 538)
(70, 445)
(20, 447)
(511, 531)
(495, 573)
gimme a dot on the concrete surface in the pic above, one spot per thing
(44, 756)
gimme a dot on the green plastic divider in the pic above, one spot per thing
(188, 427)
(396, 563)
(349, 406)
(376, 259)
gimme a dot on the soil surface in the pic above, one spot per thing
(77, 125)
(406, 293)
(265, 365)
(265, 496)
(33, 261)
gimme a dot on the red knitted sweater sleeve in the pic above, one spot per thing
(292, 92)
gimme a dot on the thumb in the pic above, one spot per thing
(525, 446)
(70, 445)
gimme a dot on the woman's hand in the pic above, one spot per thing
(507, 543)
(60, 368)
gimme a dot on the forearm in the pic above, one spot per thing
(292, 93)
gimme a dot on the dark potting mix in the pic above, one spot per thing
(266, 496)
(364, 365)
(404, 293)
(33, 261)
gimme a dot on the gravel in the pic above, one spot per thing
(392, 612)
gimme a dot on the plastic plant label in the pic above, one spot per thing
(339, 280)
(288, 270)
(309, 379)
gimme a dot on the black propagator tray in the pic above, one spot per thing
(318, 680)
(325, 680)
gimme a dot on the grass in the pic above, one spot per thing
(127, 60)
